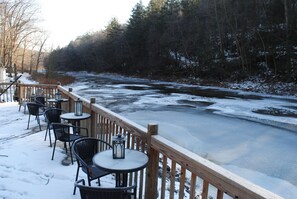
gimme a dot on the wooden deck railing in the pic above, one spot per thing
(173, 171)
(9, 94)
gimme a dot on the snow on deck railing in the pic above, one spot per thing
(173, 171)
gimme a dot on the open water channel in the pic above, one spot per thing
(253, 135)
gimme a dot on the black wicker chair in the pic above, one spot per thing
(66, 133)
(34, 109)
(52, 116)
(40, 100)
(84, 150)
(87, 192)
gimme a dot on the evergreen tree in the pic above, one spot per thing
(136, 35)
(215, 39)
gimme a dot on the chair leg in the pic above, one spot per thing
(28, 122)
(38, 121)
(49, 134)
(54, 149)
(47, 128)
(89, 181)
(76, 177)
(70, 152)
(50, 137)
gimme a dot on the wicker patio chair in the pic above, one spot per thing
(52, 115)
(40, 100)
(87, 192)
(66, 133)
(84, 150)
(34, 109)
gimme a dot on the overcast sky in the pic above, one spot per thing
(67, 19)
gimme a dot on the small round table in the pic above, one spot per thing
(75, 119)
(57, 101)
(134, 161)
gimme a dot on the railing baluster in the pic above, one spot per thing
(182, 183)
(164, 175)
(193, 186)
(220, 194)
(172, 179)
(205, 189)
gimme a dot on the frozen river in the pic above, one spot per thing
(253, 135)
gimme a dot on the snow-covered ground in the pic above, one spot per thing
(26, 168)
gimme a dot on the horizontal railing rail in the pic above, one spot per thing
(173, 171)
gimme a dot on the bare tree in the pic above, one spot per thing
(40, 52)
(18, 20)
(32, 54)
(24, 47)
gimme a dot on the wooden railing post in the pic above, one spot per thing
(151, 190)
(93, 118)
(20, 93)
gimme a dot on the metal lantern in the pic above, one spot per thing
(78, 107)
(118, 144)
(58, 96)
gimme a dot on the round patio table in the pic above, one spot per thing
(57, 101)
(134, 161)
(75, 119)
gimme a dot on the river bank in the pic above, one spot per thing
(253, 84)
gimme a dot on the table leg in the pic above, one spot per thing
(121, 179)
(58, 105)
(77, 124)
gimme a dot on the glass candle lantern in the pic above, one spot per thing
(118, 144)
(78, 107)
(58, 96)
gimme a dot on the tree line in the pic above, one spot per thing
(21, 40)
(216, 39)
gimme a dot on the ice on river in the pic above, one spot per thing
(253, 135)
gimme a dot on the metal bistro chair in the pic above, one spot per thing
(52, 115)
(84, 150)
(66, 133)
(40, 100)
(34, 110)
(87, 192)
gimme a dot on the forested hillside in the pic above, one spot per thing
(213, 39)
